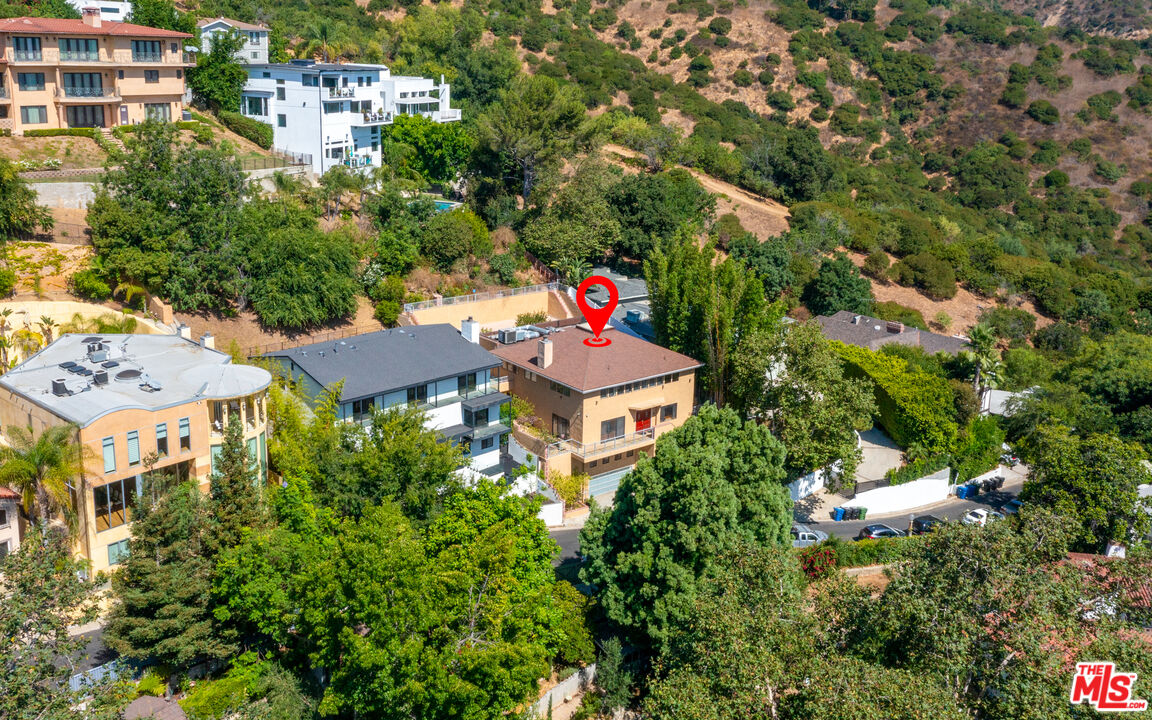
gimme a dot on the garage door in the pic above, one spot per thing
(606, 483)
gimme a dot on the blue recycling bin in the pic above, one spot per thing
(838, 514)
(961, 492)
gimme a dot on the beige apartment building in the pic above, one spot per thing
(141, 404)
(58, 73)
(603, 407)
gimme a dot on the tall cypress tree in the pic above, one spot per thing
(237, 501)
(163, 610)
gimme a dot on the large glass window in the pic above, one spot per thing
(418, 394)
(668, 412)
(560, 426)
(113, 503)
(147, 51)
(162, 440)
(84, 49)
(253, 105)
(362, 409)
(34, 114)
(134, 447)
(476, 419)
(83, 84)
(27, 48)
(151, 76)
(466, 384)
(612, 429)
(250, 412)
(30, 81)
(158, 111)
(109, 455)
(84, 116)
(185, 434)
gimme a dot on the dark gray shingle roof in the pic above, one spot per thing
(872, 333)
(380, 362)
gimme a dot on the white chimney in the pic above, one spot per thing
(470, 329)
(206, 340)
(543, 353)
(90, 16)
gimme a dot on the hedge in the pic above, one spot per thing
(254, 130)
(121, 130)
(914, 406)
(916, 469)
(814, 559)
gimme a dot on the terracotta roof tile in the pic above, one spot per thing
(58, 26)
(585, 368)
(8, 493)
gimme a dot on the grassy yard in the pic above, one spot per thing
(72, 152)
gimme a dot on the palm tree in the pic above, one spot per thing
(324, 37)
(986, 358)
(573, 271)
(46, 324)
(4, 314)
(41, 469)
(5, 346)
(26, 342)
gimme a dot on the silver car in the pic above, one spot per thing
(803, 536)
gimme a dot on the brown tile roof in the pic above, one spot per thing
(8, 493)
(234, 23)
(585, 368)
(58, 26)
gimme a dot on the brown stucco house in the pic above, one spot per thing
(57, 73)
(602, 406)
(140, 404)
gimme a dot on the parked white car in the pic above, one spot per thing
(803, 536)
(980, 517)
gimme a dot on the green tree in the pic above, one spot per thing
(441, 149)
(530, 129)
(237, 501)
(703, 308)
(162, 14)
(167, 218)
(753, 647)
(451, 236)
(995, 614)
(162, 611)
(457, 624)
(651, 208)
(218, 78)
(812, 407)
(44, 596)
(19, 213)
(41, 469)
(326, 38)
(837, 286)
(771, 261)
(579, 224)
(715, 482)
(1092, 480)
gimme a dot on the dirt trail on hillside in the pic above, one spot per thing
(766, 218)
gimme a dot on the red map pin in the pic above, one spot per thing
(597, 317)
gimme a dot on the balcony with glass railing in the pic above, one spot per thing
(27, 56)
(372, 118)
(336, 92)
(147, 57)
(611, 445)
(4, 96)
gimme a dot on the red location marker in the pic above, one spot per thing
(597, 317)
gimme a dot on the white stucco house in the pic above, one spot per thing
(255, 50)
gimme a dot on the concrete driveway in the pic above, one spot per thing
(880, 454)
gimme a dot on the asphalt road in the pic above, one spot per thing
(568, 538)
(950, 510)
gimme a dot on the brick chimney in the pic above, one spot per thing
(90, 16)
(543, 353)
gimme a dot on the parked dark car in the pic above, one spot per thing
(873, 532)
(926, 524)
(1011, 507)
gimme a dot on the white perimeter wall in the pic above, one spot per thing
(895, 498)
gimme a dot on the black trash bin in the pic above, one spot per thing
(855, 513)
(999, 481)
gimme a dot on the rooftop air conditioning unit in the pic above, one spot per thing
(100, 377)
(59, 388)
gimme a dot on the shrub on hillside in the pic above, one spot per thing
(7, 282)
(876, 264)
(896, 312)
(89, 285)
(1044, 112)
(254, 130)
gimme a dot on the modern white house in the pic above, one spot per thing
(255, 50)
(436, 368)
(109, 9)
(334, 112)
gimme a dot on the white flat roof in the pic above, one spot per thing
(150, 372)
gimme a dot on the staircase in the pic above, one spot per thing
(114, 141)
(561, 306)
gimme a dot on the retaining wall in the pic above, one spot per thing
(927, 490)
